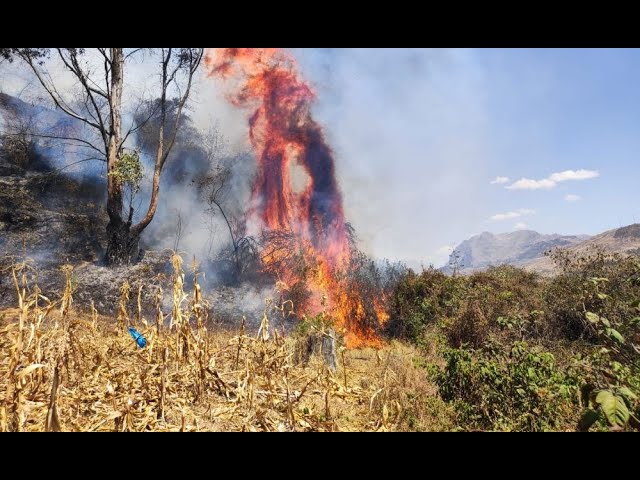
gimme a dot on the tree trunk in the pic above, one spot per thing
(122, 248)
(124, 245)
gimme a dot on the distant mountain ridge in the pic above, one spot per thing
(624, 241)
(516, 248)
(526, 248)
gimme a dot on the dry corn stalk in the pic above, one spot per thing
(67, 294)
(263, 331)
(100, 381)
(123, 306)
(139, 319)
(53, 421)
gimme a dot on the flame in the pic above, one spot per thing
(282, 132)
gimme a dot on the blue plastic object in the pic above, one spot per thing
(137, 336)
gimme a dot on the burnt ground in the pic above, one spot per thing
(52, 220)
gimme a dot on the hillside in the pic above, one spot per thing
(624, 241)
(517, 248)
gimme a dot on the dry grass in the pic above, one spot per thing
(65, 370)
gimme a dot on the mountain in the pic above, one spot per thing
(624, 240)
(519, 248)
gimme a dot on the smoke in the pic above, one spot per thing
(409, 130)
(405, 129)
(185, 222)
(181, 220)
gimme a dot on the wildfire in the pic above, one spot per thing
(283, 134)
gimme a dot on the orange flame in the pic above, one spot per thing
(283, 133)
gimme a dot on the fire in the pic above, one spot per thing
(283, 133)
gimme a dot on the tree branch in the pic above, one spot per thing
(55, 96)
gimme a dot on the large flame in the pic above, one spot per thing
(283, 134)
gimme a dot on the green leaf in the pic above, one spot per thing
(636, 304)
(634, 321)
(628, 394)
(604, 396)
(605, 322)
(614, 408)
(603, 296)
(613, 333)
(592, 317)
(597, 280)
(589, 418)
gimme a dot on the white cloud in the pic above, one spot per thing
(500, 180)
(520, 226)
(498, 217)
(574, 175)
(572, 198)
(552, 180)
(529, 184)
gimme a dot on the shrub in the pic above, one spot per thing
(420, 300)
(596, 282)
(19, 149)
(521, 389)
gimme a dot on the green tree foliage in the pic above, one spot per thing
(129, 171)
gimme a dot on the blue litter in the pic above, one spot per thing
(137, 336)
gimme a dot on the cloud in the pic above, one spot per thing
(529, 184)
(552, 180)
(500, 180)
(520, 226)
(572, 198)
(511, 215)
(574, 175)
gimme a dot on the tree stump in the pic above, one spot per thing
(317, 343)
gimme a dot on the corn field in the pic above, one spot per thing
(66, 370)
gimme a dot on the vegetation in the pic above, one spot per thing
(64, 369)
(483, 352)
(523, 352)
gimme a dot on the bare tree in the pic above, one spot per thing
(101, 86)
(215, 188)
(215, 191)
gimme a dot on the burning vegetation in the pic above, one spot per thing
(286, 325)
(308, 221)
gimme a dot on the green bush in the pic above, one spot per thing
(610, 392)
(524, 352)
(595, 282)
(521, 389)
(420, 300)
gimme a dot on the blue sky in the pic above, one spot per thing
(421, 134)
